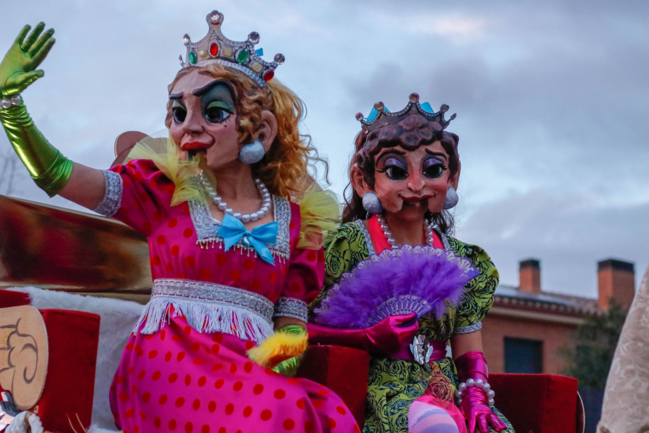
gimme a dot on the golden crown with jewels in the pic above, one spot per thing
(242, 56)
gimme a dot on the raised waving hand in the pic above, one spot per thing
(19, 67)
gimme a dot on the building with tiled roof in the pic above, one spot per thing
(527, 326)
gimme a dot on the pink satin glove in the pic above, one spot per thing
(473, 372)
(383, 339)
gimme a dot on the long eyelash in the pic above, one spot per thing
(434, 165)
(391, 166)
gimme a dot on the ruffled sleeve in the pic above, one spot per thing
(479, 292)
(140, 192)
(304, 275)
(137, 194)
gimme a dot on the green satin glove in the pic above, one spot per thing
(289, 367)
(47, 166)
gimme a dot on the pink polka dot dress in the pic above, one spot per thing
(185, 367)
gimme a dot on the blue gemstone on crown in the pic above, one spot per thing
(242, 56)
(381, 116)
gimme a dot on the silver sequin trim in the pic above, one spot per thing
(469, 329)
(208, 235)
(292, 307)
(112, 200)
(366, 235)
(217, 293)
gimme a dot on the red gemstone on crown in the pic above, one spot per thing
(214, 49)
(268, 75)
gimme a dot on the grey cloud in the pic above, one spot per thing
(569, 234)
(551, 100)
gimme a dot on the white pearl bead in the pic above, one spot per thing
(458, 394)
(491, 394)
(237, 215)
(254, 216)
(491, 402)
(487, 387)
(245, 218)
(222, 206)
(470, 383)
(479, 383)
(229, 211)
(462, 386)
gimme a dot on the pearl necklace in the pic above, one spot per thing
(246, 217)
(388, 233)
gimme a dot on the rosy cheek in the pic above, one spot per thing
(438, 187)
(388, 192)
(176, 132)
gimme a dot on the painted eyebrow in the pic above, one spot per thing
(389, 152)
(176, 95)
(206, 88)
(441, 155)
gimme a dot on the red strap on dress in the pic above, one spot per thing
(380, 242)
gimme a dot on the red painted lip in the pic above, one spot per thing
(423, 197)
(194, 145)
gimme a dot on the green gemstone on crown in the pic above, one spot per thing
(242, 56)
(192, 58)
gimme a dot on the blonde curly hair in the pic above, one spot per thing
(284, 169)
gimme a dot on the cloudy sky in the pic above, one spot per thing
(551, 97)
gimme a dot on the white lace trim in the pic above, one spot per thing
(112, 200)
(469, 329)
(208, 307)
(292, 307)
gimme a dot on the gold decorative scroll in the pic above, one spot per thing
(23, 354)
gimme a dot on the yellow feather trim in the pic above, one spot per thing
(320, 213)
(277, 348)
(165, 155)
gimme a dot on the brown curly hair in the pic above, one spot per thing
(410, 133)
(284, 169)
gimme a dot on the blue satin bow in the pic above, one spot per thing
(231, 230)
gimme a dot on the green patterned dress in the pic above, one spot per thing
(394, 384)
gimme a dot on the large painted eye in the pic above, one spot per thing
(216, 115)
(217, 112)
(178, 112)
(394, 169)
(433, 168)
(395, 172)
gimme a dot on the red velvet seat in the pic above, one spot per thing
(534, 403)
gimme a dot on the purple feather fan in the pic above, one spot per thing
(404, 280)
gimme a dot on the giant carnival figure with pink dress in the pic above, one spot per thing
(235, 229)
(399, 286)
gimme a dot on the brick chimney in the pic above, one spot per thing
(530, 276)
(616, 280)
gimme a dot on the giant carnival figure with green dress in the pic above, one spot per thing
(398, 286)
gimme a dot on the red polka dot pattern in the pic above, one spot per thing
(178, 379)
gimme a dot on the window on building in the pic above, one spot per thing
(523, 356)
